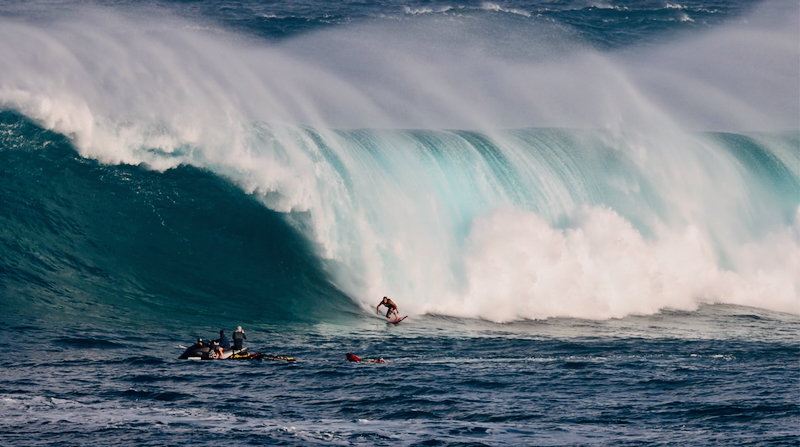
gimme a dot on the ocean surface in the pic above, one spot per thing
(589, 211)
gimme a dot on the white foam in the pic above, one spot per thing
(520, 267)
(498, 8)
(416, 11)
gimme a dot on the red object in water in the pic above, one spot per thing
(352, 358)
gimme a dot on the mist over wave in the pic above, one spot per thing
(634, 207)
(113, 79)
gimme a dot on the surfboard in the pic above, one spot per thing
(395, 321)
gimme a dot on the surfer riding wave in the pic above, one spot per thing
(391, 308)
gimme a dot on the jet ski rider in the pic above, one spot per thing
(238, 339)
(224, 344)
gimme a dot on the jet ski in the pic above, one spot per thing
(205, 352)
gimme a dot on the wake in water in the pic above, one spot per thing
(638, 205)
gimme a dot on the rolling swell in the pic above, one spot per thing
(121, 243)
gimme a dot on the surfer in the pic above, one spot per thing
(222, 345)
(238, 339)
(391, 308)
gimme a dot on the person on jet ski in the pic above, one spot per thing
(196, 350)
(197, 345)
(238, 339)
(222, 344)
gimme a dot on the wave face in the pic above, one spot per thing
(87, 241)
(518, 224)
(539, 223)
(170, 168)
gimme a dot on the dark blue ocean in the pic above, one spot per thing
(588, 210)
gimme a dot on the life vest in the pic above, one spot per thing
(238, 340)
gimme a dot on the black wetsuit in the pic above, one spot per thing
(389, 307)
(238, 340)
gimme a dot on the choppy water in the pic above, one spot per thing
(720, 376)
